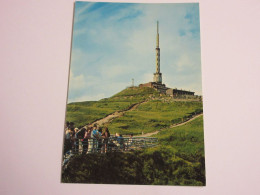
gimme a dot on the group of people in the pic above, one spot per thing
(93, 139)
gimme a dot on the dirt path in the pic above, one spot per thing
(117, 114)
(114, 115)
(180, 124)
(172, 126)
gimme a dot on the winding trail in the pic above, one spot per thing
(114, 115)
(172, 126)
(118, 114)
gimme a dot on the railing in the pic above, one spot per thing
(111, 144)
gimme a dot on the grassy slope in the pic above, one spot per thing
(182, 152)
(177, 160)
(148, 117)
(187, 140)
(82, 113)
(153, 115)
(137, 93)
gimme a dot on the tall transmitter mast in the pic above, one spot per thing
(157, 75)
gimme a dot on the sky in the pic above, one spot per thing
(113, 43)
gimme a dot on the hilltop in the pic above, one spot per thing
(136, 93)
(156, 111)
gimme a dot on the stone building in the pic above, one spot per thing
(157, 78)
(176, 92)
(158, 86)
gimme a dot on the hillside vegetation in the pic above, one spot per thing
(178, 160)
(82, 113)
(152, 115)
(136, 93)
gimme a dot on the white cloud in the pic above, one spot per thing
(77, 82)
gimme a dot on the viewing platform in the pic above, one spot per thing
(111, 144)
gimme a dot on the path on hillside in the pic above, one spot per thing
(110, 117)
(172, 126)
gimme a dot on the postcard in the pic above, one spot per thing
(134, 112)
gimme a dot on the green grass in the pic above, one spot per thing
(82, 113)
(187, 140)
(177, 160)
(137, 92)
(154, 115)
(86, 112)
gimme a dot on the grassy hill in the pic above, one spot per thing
(187, 140)
(154, 115)
(136, 93)
(150, 116)
(177, 160)
(82, 113)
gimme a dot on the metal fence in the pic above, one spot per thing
(111, 144)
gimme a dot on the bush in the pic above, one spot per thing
(153, 166)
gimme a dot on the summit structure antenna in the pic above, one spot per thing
(157, 78)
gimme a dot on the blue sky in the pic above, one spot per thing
(115, 42)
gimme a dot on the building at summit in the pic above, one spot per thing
(157, 76)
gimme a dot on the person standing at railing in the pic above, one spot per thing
(105, 136)
(87, 135)
(72, 134)
(90, 140)
(95, 136)
(67, 143)
(79, 136)
(116, 139)
(99, 139)
(76, 141)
